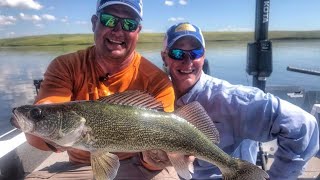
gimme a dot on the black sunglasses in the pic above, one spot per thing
(179, 54)
(111, 21)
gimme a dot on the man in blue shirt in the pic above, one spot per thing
(243, 115)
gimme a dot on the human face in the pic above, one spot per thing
(184, 73)
(115, 44)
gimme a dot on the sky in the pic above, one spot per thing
(39, 17)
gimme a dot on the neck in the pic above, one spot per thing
(112, 66)
(182, 89)
(179, 91)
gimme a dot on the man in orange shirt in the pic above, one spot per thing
(112, 65)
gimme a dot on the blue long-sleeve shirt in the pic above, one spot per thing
(245, 115)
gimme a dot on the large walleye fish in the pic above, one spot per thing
(131, 122)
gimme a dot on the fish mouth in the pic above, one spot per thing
(19, 121)
(13, 120)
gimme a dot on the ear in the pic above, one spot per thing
(139, 28)
(94, 20)
(163, 56)
(165, 64)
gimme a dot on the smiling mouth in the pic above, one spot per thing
(115, 42)
(186, 71)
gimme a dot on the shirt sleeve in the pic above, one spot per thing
(265, 117)
(298, 140)
(57, 84)
(162, 89)
(166, 96)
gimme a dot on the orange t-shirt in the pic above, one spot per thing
(75, 76)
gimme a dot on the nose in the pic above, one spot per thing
(187, 59)
(117, 27)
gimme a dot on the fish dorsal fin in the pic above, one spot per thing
(196, 115)
(136, 98)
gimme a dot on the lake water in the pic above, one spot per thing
(227, 60)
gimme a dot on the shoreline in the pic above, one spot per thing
(9, 45)
(87, 39)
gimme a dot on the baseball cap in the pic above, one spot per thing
(180, 30)
(135, 5)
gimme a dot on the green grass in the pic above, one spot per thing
(87, 39)
(49, 40)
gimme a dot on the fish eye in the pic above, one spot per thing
(35, 113)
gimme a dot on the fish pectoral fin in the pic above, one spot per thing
(196, 115)
(182, 164)
(104, 165)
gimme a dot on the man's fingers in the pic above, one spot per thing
(156, 158)
(158, 155)
(190, 158)
(58, 147)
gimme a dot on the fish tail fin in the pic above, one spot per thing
(245, 170)
(182, 164)
(104, 165)
(196, 115)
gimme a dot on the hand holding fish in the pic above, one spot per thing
(156, 158)
(160, 159)
(56, 147)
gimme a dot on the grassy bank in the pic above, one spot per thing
(87, 39)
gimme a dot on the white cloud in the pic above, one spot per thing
(29, 17)
(175, 19)
(39, 26)
(10, 34)
(37, 18)
(7, 20)
(172, 2)
(48, 17)
(168, 2)
(81, 22)
(23, 4)
(183, 2)
(65, 20)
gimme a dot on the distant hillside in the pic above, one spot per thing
(87, 39)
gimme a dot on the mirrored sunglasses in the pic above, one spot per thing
(111, 21)
(179, 54)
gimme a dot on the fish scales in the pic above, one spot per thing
(143, 129)
(133, 129)
(111, 125)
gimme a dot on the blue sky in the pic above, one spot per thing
(35, 17)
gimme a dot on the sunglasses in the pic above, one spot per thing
(179, 54)
(111, 21)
